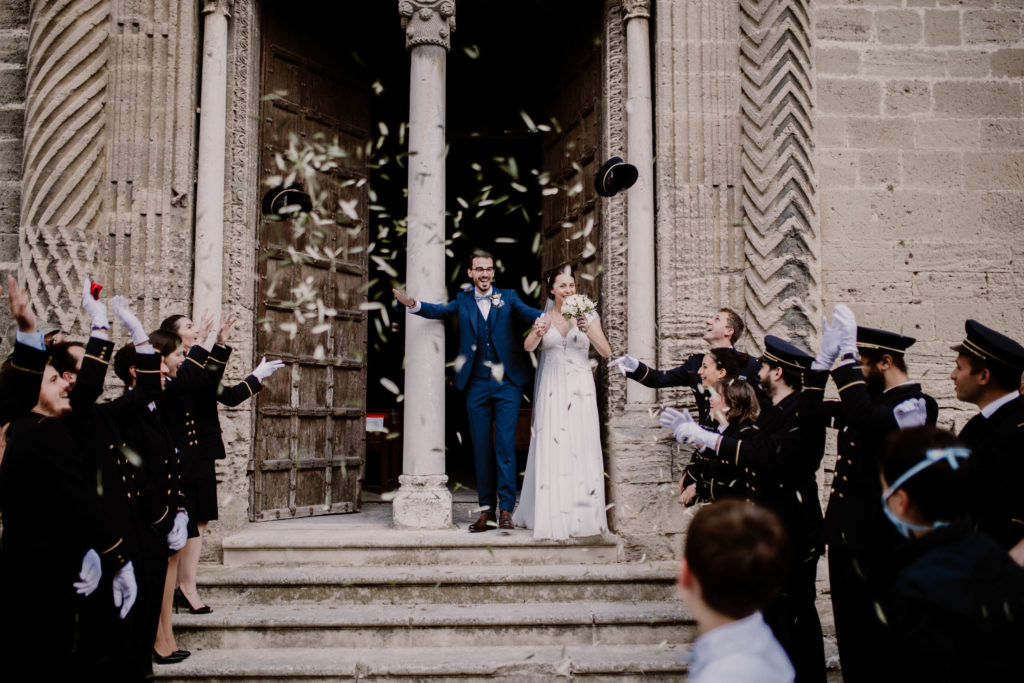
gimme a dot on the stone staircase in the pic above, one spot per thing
(348, 598)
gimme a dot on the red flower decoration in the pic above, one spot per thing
(94, 289)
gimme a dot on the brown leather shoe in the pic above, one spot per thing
(505, 520)
(485, 522)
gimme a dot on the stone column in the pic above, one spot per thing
(423, 500)
(640, 293)
(209, 241)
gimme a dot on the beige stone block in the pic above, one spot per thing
(10, 159)
(955, 287)
(898, 27)
(903, 98)
(896, 62)
(962, 4)
(941, 27)
(950, 317)
(906, 213)
(830, 131)
(916, 319)
(868, 286)
(849, 96)
(932, 169)
(12, 85)
(947, 134)
(992, 215)
(839, 61)
(967, 63)
(879, 168)
(843, 24)
(13, 15)
(1002, 134)
(838, 253)
(1008, 63)
(988, 99)
(992, 26)
(950, 255)
(837, 167)
(994, 170)
(871, 133)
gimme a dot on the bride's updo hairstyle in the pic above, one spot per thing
(741, 398)
(549, 281)
(728, 360)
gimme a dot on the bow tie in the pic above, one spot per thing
(481, 297)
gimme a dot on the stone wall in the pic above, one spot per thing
(13, 47)
(921, 163)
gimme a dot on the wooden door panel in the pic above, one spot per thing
(298, 469)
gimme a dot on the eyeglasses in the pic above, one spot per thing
(482, 270)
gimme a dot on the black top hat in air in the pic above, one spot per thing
(281, 196)
(781, 352)
(869, 339)
(614, 176)
(989, 345)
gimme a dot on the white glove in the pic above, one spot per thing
(96, 309)
(672, 418)
(125, 589)
(843, 317)
(830, 334)
(90, 574)
(178, 535)
(911, 413)
(123, 313)
(625, 364)
(266, 368)
(691, 432)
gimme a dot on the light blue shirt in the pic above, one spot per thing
(744, 651)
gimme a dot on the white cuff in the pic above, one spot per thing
(33, 339)
(415, 307)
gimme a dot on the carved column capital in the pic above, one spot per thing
(427, 22)
(636, 9)
(218, 6)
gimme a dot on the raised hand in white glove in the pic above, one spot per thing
(178, 535)
(911, 413)
(843, 317)
(672, 418)
(625, 364)
(125, 589)
(123, 312)
(96, 309)
(830, 334)
(691, 432)
(266, 368)
(90, 575)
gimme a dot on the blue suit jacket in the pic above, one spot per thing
(506, 342)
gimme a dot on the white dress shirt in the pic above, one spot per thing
(744, 651)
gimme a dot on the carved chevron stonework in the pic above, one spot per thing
(781, 228)
(65, 151)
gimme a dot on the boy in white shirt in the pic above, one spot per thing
(733, 564)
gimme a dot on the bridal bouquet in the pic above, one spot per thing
(576, 305)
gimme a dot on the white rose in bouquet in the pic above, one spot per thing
(576, 305)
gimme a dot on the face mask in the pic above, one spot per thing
(950, 455)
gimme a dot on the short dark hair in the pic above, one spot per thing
(872, 356)
(728, 360)
(61, 358)
(737, 550)
(164, 341)
(937, 490)
(741, 398)
(170, 323)
(791, 376)
(125, 358)
(480, 253)
(733, 320)
(1003, 375)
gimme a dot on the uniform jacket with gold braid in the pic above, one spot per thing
(854, 516)
(20, 382)
(996, 471)
(211, 443)
(716, 478)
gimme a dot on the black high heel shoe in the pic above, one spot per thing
(179, 598)
(172, 658)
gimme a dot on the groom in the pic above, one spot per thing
(491, 368)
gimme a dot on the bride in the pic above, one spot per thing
(563, 490)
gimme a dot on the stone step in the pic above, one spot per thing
(438, 625)
(445, 584)
(315, 543)
(467, 664)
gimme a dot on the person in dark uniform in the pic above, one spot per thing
(203, 426)
(23, 375)
(876, 399)
(957, 603)
(785, 454)
(987, 374)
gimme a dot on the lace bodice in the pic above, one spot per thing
(573, 348)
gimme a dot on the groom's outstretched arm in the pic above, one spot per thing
(527, 314)
(448, 311)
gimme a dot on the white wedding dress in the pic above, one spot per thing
(563, 490)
